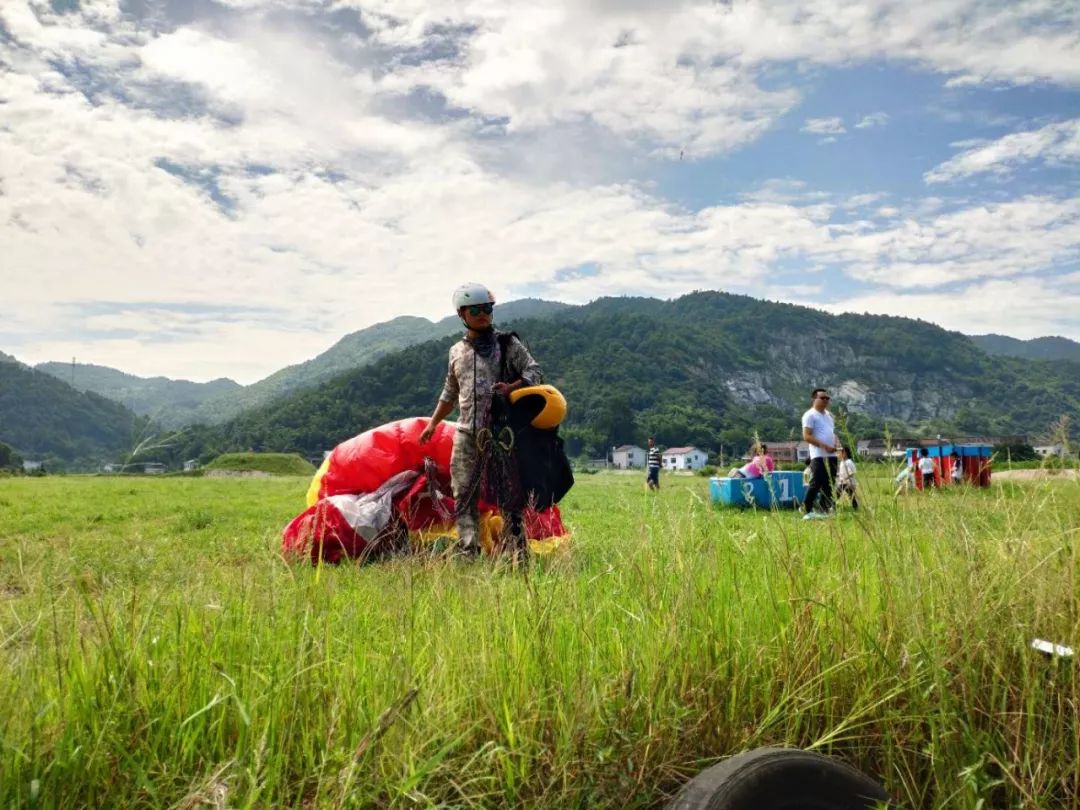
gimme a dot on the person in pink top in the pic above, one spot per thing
(760, 464)
(764, 460)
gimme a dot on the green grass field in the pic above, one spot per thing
(156, 651)
(271, 463)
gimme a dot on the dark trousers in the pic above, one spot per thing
(822, 475)
(849, 490)
(654, 478)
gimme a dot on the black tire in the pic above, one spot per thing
(780, 779)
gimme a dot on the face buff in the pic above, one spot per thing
(484, 343)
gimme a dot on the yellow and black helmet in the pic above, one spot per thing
(545, 403)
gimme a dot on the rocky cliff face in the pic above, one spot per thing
(907, 400)
(753, 388)
(866, 383)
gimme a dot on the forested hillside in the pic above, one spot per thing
(174, 403)
(169, 402)
(1043, 348)
(351, 352)
(46, 419)
(706, 369)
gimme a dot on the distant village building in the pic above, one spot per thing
(32, 466)
(684, 458)
(878, 450)
(788, 451)
(153, 468)
(111, 468)
(1050, 450)
(628, 457)
(191, 465)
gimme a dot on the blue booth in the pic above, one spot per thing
(942, 454)
(778, 489)
(933, 450)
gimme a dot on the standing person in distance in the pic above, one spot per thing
(473, 378)
(906, 476)
(927, 468)
(957, 469)
(845, 476)
(819, 432)
(653, 465)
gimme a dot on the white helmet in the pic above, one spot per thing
(472, 293)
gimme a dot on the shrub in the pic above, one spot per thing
(9, 459)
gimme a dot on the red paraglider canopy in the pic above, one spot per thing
(377, 486)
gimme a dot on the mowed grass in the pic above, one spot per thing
(156, 651)
(272, 463)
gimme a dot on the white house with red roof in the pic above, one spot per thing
(684, 458)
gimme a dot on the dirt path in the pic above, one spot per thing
(236, 474)
(1034, 475)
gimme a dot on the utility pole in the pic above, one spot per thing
(72, 372)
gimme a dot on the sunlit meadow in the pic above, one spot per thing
(157, 651)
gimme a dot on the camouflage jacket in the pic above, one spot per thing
(472, 391)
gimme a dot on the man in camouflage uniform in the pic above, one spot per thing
(472, 379)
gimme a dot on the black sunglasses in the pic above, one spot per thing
(481, 309)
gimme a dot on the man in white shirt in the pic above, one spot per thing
(819, 432)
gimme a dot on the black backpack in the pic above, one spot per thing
(543, 468)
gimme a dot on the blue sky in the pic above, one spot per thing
(208, 188)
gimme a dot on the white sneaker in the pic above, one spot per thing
(813, 516)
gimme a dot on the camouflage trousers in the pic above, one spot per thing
(465, 483)
(466, 487)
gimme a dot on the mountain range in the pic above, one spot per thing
(1042, 348)
(46, 419)
(175, 403)
(171, 403)
(708, 368)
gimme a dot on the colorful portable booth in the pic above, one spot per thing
(780, 489)
(976, 460)
(973, 458)
(942, 456)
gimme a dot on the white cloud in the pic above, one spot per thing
(642, 74)
(243, 191)
(1054, 143)
(1018, 42)
(862, 200)
(322, 252)
(824, 126)
(877, 119)
(684, 74)
(1033, 307)
(982, 241)
(784, 190)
